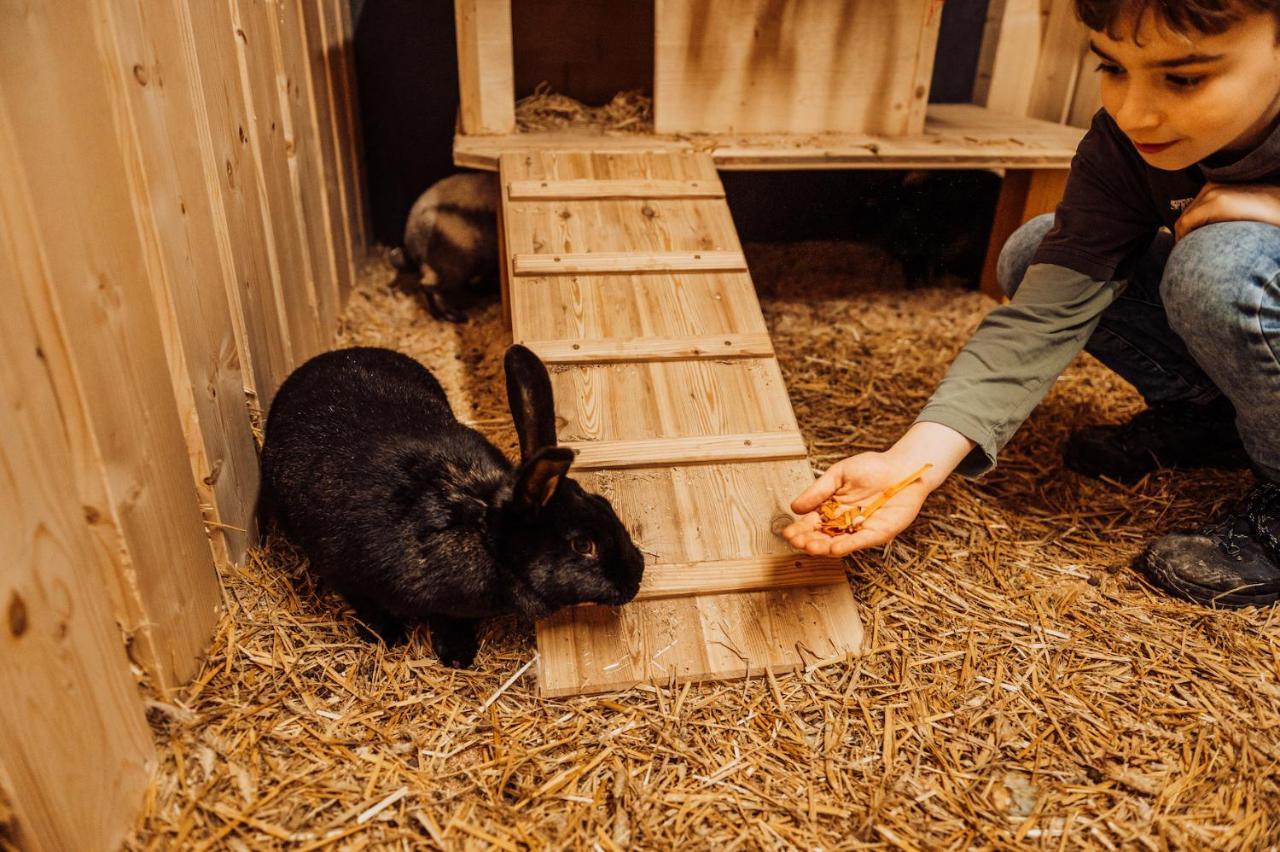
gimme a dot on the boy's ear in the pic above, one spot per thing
(539, 477)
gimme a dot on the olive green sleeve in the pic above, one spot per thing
(1015, 355)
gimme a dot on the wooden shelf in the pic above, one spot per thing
(956, 136)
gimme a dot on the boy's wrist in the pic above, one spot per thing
(933, 444)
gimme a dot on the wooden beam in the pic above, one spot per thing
(596, 263)
(654, 452)
(673, 580)
(486, 76)
(617, 349)
(955, 136)
(1023, 195)
(538, 190)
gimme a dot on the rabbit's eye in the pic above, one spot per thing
(583, 545)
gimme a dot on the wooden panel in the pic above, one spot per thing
(603, 262)
(698, 510)
(806, 66)
(240, 231)
(75, 748)
(486, 79)
(293, 274)
(1058, 68)
(561, 190)
(651, 348)
(341, 52)
(955, 136)
(300, 131)
(658, 452)
(325, 96)
(1010, 51)
(736, 575)
(88, 287)
(168, 177)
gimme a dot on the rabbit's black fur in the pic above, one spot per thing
(414, 517)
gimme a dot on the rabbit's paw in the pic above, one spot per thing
(454, 640)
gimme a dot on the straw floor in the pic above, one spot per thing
(1022, 686)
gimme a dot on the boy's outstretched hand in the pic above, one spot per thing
(929, 451)
(855, 481)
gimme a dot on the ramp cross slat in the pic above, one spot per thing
(630, 286)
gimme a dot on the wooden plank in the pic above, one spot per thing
(759, 66)
(1058, 67)
(751, 574)
(239, 229)
(339, 181)
(608, 350)
(1007, 59)
(340, 32)
(486, 75)
(955, 136)
(753, 446)
(75, 749)
(168, 178)
(301, 131)
(565, 190)
(605, 262)
(293, 275)
(96, 315)
(695, 513)
(1023, 195)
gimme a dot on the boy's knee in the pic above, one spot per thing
(1015, 256)
(1216, 272)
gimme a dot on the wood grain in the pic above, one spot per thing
(686, 505)
(805, 66)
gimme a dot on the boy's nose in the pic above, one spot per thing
(1138, 113)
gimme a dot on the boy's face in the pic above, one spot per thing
(1181, 98)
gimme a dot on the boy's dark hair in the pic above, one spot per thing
(1182, 16)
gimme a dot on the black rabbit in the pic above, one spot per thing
(414, 517)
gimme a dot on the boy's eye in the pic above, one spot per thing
(1179, 81)
(1110, 69)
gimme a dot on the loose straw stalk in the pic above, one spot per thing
(838, 522)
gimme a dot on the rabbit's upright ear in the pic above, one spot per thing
(539, 476)
(529, 396)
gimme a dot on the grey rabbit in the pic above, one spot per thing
(414, 517)
(451, 242)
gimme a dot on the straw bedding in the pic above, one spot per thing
(1022, 686)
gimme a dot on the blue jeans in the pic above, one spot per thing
(1197, 320)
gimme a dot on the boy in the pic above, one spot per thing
(1163, 260)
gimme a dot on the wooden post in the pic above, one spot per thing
(486, 76)
(1026, 193)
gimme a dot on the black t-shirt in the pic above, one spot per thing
(1114, 202)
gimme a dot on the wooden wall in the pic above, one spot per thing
(181, 215)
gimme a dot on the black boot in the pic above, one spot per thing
(1170, 434)
(1233, 563)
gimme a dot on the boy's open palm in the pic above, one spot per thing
(855, 481)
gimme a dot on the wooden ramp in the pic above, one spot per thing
(625, 274)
